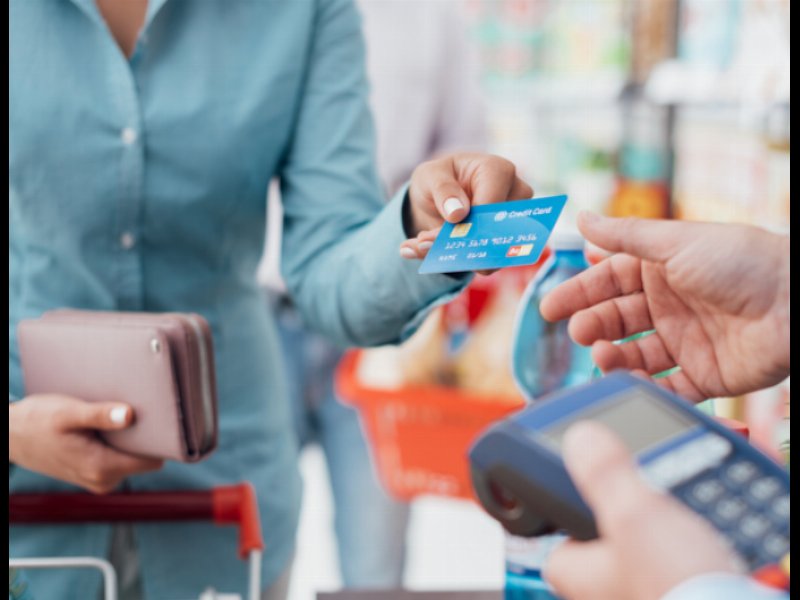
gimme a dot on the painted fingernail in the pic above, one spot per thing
(119, 415)
(451, 205)
(424, 245)
(407, 252)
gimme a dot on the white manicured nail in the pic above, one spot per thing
(407, 252)
(451, 205)
(424, 245)
(119, 414)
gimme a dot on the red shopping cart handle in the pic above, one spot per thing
(225, 505)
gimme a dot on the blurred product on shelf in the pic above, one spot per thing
(644, 164)
(708, 31)
(654, 24)
(589, 38)
(767, 414)
(778, 166)
(646, 199)
(729, 52)
(586, 145)
(732, 167)
(562, 151)
(546, 39)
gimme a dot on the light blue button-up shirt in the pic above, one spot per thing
(140, 185)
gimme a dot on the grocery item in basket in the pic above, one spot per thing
(162, 365)
(483, 365)
(420, 360)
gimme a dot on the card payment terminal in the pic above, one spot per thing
(520, 478)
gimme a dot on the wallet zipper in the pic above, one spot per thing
(205, 386)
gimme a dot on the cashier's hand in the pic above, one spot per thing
(716, 295)
(55, 435)
(444, 189)
(648, 542)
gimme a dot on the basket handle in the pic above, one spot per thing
(224, 505)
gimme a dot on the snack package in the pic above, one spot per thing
(421, 360)
(483, 365)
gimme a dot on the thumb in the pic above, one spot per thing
(105, 416)
(650, 239)
(575, 567)
(605, 473)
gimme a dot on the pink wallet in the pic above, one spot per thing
(161, 364)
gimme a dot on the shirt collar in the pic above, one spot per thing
(90, 8)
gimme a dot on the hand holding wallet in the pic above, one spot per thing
(161, 364)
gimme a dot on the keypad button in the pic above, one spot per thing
(741, 472)
(706, 492)
(776, 545)
(781, 507)
(754, 525)
(765, 488)
(729, 509)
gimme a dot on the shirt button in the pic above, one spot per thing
(127, 240)
(129, 136)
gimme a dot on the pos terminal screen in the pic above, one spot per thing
(639, 418)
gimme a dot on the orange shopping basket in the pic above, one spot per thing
(419, 435)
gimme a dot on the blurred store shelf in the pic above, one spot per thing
(562, 91)
(676, 82)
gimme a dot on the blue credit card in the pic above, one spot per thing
(508, 234)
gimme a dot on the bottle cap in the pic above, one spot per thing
(567, 239)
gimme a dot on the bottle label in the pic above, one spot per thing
(528, 555)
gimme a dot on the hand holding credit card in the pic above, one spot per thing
(493, 236)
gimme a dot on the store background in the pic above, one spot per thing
(652, 108)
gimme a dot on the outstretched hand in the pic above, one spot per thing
(717, 297)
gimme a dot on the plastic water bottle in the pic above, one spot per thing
(544, 359)
(524, 560)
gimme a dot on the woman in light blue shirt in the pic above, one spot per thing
(138, 166)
